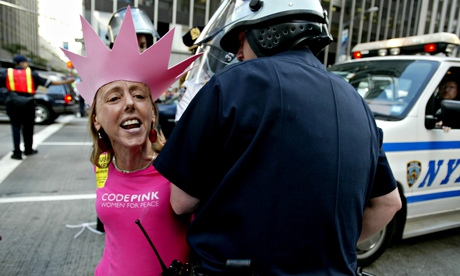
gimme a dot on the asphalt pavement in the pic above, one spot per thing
(47, 204)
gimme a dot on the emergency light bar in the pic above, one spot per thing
(412, 45)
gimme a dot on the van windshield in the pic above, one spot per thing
(390, 87)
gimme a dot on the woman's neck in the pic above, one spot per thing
(127, 161)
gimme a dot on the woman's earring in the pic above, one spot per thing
(153, 135)
(101, 143)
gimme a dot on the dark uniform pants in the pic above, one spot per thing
(22, 118)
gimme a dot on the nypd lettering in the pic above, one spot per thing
(433, 172)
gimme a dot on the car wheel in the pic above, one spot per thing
(372, 248)
(43, 114)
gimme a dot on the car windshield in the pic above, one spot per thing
(390, 87)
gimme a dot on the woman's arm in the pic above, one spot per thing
(181, 202)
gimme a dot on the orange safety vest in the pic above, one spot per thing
(18, 80)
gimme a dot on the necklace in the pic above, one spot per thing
(126, 171)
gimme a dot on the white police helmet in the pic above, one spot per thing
(274, 26)
(142, 25)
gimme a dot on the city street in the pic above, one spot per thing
(47, 211)
(42, 194)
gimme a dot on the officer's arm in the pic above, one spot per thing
(181, 202)
(58, 82)
(379, 213)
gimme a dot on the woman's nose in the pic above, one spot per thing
(129, 102)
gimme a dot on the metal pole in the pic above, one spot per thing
(155, 15)
(434, 13)
(395, 19)
(403, 18)
(340, 34)
(409, 15)
(174, 13)
(326, 50)
(208, 4)
(191, 13)
(369, 26)
(453, 9)
(350, 29)
(443, 16)
(93, 18)
(379, 22)
(361, 21)
(387, 21)
(423, 15)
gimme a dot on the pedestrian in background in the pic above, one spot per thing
(123, 122)
(22, 83)
(280, 161)
(145, 31)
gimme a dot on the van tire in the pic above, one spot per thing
(371, 249)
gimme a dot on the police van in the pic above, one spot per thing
(401, 80)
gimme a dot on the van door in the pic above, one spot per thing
(434, 175)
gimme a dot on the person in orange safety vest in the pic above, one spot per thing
(21, 83)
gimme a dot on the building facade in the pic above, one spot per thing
(18, 28)
(355, 22)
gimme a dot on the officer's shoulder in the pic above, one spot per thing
(240, 67)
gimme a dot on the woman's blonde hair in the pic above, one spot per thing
(97, 151)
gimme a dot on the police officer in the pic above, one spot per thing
(145, 31)
(280, 160)
(22, 83)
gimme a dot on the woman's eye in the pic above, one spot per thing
(113, 98)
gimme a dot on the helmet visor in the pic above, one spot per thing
(228, 12)
(212, 60)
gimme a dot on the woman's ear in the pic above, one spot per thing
(154, 111)
(96, 123)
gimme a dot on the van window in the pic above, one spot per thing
(433, 108)
(391, 88)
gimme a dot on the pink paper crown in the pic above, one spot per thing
(124, 62)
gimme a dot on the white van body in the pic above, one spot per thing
(433, 195)
(425, 161)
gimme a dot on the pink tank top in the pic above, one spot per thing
(143, 195)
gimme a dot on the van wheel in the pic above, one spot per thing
(371, 249)
(43, 114)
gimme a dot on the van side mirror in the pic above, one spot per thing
(450, 112)
(430, 121)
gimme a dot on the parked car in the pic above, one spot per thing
(55, 100)
(52, 101)
(167, 111)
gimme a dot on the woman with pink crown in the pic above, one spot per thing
(132, 197)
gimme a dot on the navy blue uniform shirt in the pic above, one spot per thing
(283, 156)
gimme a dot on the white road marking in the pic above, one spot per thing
(66, 144)
(46, 198)
(8, 165)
